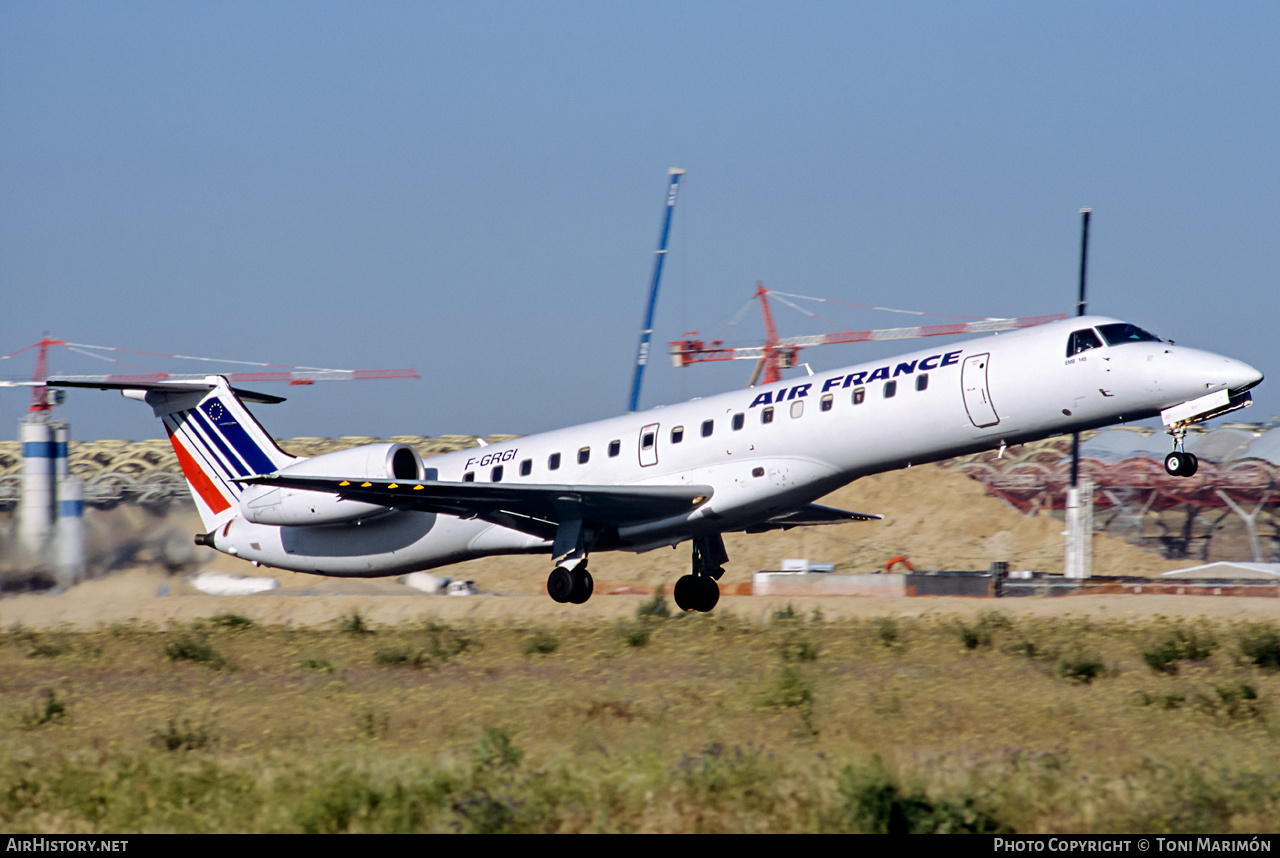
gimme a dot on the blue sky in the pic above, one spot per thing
(475, 189)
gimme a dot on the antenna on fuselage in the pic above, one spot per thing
(1078, 512)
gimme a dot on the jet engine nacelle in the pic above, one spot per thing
(267, 505)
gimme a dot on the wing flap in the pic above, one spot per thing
(808, 516)
(536, 509)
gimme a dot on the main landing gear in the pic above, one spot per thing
(571, 583)
(1180, 463)
(698, 591)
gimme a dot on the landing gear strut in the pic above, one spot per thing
(698, 591)
(1180, 463)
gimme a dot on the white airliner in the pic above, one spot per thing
(750, 460)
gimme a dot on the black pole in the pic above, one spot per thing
(1080, 306)
(1084, 259)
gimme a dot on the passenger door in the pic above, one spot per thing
(977, 398)
(649, 445)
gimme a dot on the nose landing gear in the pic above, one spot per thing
(1180, 463)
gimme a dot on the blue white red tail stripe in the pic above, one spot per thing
(200, 452)
(250, 452)
(213, 440)
(217, 441)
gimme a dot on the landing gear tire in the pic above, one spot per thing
(1181, 464)
(583, 586)
(685, 593)
(560, 584)
(696, 593)
(709, 592)
(570, 585)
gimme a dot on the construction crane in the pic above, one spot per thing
(642, 352)
(779, 353)
(43, 399)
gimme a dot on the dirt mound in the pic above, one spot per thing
(936, 517)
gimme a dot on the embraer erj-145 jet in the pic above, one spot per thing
(750, 460)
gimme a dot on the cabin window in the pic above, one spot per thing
(827, 401)
(890, 388)
(615, 447)
(797, 408)
(526, 467)
(922, 381)
(859, 395)
(496, 476)
(1082, 341)
(553, 462)
(708, 426)
(739, 420)
(766, 416)
(469, 477)
(646, 441)
(757, 472)
(677, 435)
(584, 455)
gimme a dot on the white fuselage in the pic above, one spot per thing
(770, 449)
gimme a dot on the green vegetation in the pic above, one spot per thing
(982, 634)
(701, 723)
(181, 738)
(194, 646)
(354, 623)
(656, 608)
(51, 709)
(1260, 644)
(542, 643)
(1180, 644)
(232, 621)
(888, 631)
(319, 664)
(1083, 669)
(433, 646)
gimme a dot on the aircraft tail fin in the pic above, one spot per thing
(216, 438)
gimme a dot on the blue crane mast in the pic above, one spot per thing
(642, 354)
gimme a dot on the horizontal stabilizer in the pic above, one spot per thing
(165, 387)
(807, 516)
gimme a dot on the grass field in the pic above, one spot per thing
(993, 722)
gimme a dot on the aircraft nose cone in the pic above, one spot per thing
(1241, 376)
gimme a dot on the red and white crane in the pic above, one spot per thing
(779, 353)
(43, 399)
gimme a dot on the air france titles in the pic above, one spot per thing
(865, 376)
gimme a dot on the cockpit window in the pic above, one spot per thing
(1123, 332)
(1082, 341)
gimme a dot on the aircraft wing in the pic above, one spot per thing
(809, 515)
(533, 509)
